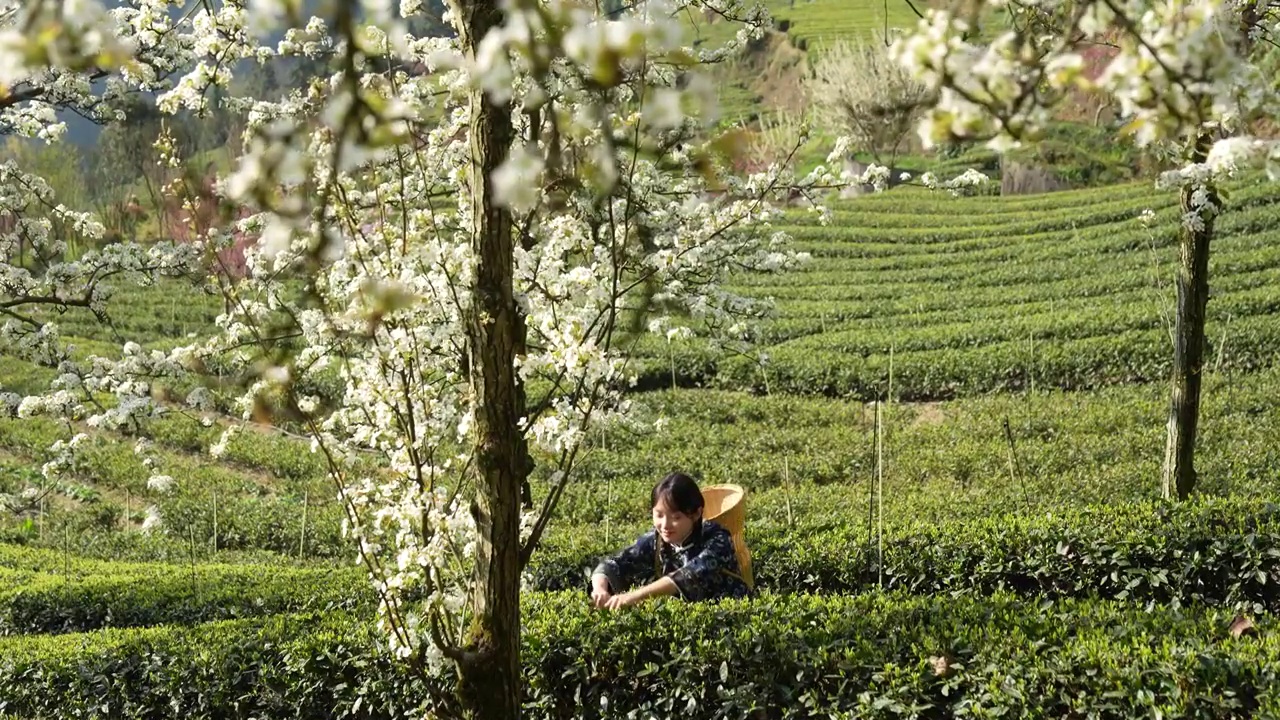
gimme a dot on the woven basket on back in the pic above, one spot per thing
(727, 505)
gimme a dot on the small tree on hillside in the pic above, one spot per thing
(772, 142)
(1191, 77)
(858, 90)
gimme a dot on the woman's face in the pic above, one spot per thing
(672, 525)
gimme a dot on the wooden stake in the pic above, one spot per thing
(1014, 473)
(215, 522)
(302, 535)
(786, 480)
(880, 495)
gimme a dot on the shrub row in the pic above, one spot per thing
(1098, 250)
(249, 509)
(872, 656)
(1216, 552)
(1073, 450)
(48, 603)
(919, 203)
(1084, 363)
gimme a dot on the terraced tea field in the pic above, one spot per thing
(980, 295)
(1027, 566)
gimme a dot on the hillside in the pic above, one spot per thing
(951, 432)
(1010, 511)
(974, 304)
(983, 295)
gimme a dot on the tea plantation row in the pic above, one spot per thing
(805, 461)
(1212, 553)
(993, 296)
(783, 656)
(972, 295)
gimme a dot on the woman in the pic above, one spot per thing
(683, 554)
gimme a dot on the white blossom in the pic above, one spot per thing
(152, 521)
(360, 185)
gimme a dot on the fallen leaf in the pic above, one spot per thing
(941, 665)
(1242, 626)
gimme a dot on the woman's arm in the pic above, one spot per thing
(703, 574)
(661, 587)
(627, 567)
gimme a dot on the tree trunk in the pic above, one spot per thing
(489, 672)
(1189, 339)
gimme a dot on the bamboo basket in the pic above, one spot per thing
(727, 505)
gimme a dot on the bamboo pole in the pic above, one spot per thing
(215, 522)
(890, 398)
(302, 534)
(1031, 363)
(608, 495)
(191, 532)
(1031, 378)
(1014, 472)
(671, 352)
(880, 495)
(786, 481)
(871, 486)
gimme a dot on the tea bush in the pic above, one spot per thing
(160, 594)
(1223, 552)
(775, 656)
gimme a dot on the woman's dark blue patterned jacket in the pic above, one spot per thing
(704, 568)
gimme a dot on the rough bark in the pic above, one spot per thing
(489, 673)
(1189, 343)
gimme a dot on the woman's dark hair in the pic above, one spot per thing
(678, 491)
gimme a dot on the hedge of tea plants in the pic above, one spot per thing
(980, 295)
(787, 656)
(156, 594)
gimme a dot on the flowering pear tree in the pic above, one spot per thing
(59, 59)
(473, 220)
(1191, 77)
(466, 234)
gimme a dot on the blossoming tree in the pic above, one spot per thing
(1192, 77)
(466, 233)
(59, 59)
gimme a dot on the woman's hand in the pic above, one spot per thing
(625, 600)
(600, 591)
(661, 587)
